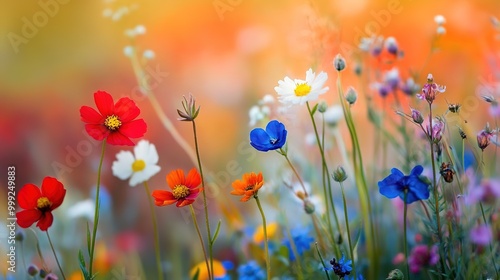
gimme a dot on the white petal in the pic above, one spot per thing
(137, 177)
(122, 167)
(141, 149)
(151, 156)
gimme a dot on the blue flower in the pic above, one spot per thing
(358, 277)
(273, 138)
(341, 268)
(396, 184)
(251, 271)
(302, 241)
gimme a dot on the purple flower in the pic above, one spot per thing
(409, 87)
(481, 235)
(422, 256)
(430, 90)
(437, 130)
(487, 192)
(397, 184)
(484, 137)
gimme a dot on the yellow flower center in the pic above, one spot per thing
(138, 165)
(112, 122)
(180, 191)
(302, 89)
(43, 203)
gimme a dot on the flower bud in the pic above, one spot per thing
(416, 116)
(309, 206)
(322, 107)
(391, 45)
(351, 96)
(339, 63)
(190, 110)
(339, 174)
(42, 273)
(395, 274)
(32, 270)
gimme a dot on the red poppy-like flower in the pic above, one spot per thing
(114, 122)
(184, 189)
(39, 203)
(249, 186)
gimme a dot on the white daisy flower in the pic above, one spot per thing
(138, 168)
(297, 91)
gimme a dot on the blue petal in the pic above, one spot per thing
(259, 139)
(417, 170)
(274, 129)
(281, 140)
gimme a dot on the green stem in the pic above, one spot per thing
(491, 247)
(284, 153)
(322, 262)
(96, 212)
(266, 246)
(207, 222)
(201, 238)
(348, 230)
(156, 232)
(405, 234)
(55, 255)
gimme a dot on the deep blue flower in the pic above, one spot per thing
(302, 241)
(341, 268)
(396, 184)
(273, 138)
(251, 271)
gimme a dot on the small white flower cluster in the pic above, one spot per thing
(440, 20)
(261, 110)
(132, 33)
(117, 14)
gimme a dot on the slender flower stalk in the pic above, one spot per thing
(156, 233)
(322, 262)
(347, 229)
(55, 255)
(266, 245)
(96, 212)
(405, 234)
(201, 240)
(284, 153)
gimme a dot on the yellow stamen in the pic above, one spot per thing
(43, 203)
(112, 122)
(138, 165)
(180, 191)
(302, 89)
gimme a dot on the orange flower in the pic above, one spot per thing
(249, 186)
(184, 189)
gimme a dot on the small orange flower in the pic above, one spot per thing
(184, 189)
(249, 186)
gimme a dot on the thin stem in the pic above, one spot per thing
(55, 255)
(266, 246)
(491, 247)
(405, 212)
(283, 152)
(210, 241)
(97, 206)
(156, 232)
(347, 229)
(201, 238)
(322, 261)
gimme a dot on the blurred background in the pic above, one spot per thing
(228, 53)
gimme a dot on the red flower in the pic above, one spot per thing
(184, 189)
(113, 121)
(38, 204)
(249, 186)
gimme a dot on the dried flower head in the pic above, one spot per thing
(190, 111)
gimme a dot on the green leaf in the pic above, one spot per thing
(83, 267)
(88, 238)
(196, 275)
(212, 241)
(314, 109)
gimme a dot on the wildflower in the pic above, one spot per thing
(190, 111)
(437, 130)
(481, 235)
(446, 172)
(339, 63)
(322, 107)
(274, 137)
(302, 241)
(333, 115)
(439, 19)
(430, 90)
(416, 116)
(484, 137)
(201, 268)
(297, 91)
(359, 276)
(391, 45)
(409, 87)
(342, 267)
(258, 235)
(38, 203)
(138, 168)
(114, 121)
(339, 174)
(422, 256)
(184, 189)
(148, 54)
(248, 186)
(351, 96)
(391, 78)
(251, 271)
(487, 192)
(398, 184)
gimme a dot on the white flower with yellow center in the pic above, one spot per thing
(292, 92)
(140, 166)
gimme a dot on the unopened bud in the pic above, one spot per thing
(309, 206)
(416, 116)
(351, 96)
(322, 107)
(339, 63)
(339, 174)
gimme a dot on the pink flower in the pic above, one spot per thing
(481, 235)
(430, 90)
(437, 130)
(422, 256)
(487, 192)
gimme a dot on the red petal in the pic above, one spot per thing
(90, 115)
(54, 191)
(45, 221)
(126, 109)
(116, 138)
(184, 202)
(175, 177)
(163, 198)
(134, 129)
(97, 131)
(26, 218)
(104, 102)
(193, 179)
(28, 196)
(193, 193)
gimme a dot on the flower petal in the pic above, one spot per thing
(90, 115)
(45, 221)
(116, 138)
(389, 190)
(97, 131)
(417, 170)
(26, 218)
(163, 198)
(28, 196)
(54, 191)
(122, 167)
(184, 202)
(175, 177)
(259, 139)
(126, 109)
(104, 103)
(193, 179)
(134, 129)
